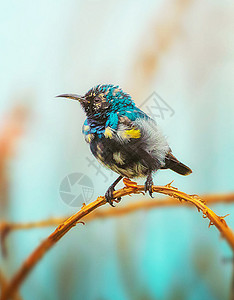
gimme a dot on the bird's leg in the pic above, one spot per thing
(148, 184)
(111, 189)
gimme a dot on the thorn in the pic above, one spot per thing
(169, 184)
(210, 224)
(222, 219)
(81, 222)
(204, 213)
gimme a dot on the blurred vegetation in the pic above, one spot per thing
(182, 49)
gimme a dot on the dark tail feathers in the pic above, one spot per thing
(172, 163)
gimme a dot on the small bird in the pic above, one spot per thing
(123, 138)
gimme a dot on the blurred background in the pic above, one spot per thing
(180, 49)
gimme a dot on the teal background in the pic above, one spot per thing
(181, 49)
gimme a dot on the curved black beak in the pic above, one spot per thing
(72, 96)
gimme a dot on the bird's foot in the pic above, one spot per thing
(109, 195)
(148, 185)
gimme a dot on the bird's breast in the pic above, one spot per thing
(119, 158)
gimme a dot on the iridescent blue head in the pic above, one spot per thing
(102, 100)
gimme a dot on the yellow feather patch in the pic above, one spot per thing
(89, 138)
(86, 128)
(108, 133)
(100, 157)
(132, 133)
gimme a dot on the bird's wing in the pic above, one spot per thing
(139, 135)
(123, 126)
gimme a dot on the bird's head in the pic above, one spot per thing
(102, 100)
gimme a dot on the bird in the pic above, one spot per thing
(123, 138)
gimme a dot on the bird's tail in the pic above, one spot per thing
(174, 164)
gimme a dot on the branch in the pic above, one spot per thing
(3, 284)
(130, 188)
(7, 227)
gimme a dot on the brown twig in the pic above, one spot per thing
(7, 227)
(131, 188)
(3, 281)
(3, 284)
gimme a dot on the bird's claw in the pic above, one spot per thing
(148, 186)
(109, 196)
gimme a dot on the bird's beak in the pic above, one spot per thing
(72, 96)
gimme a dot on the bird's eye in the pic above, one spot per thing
(96, 100)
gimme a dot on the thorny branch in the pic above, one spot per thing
(130, 188)
(3, 283)
(7, 227)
